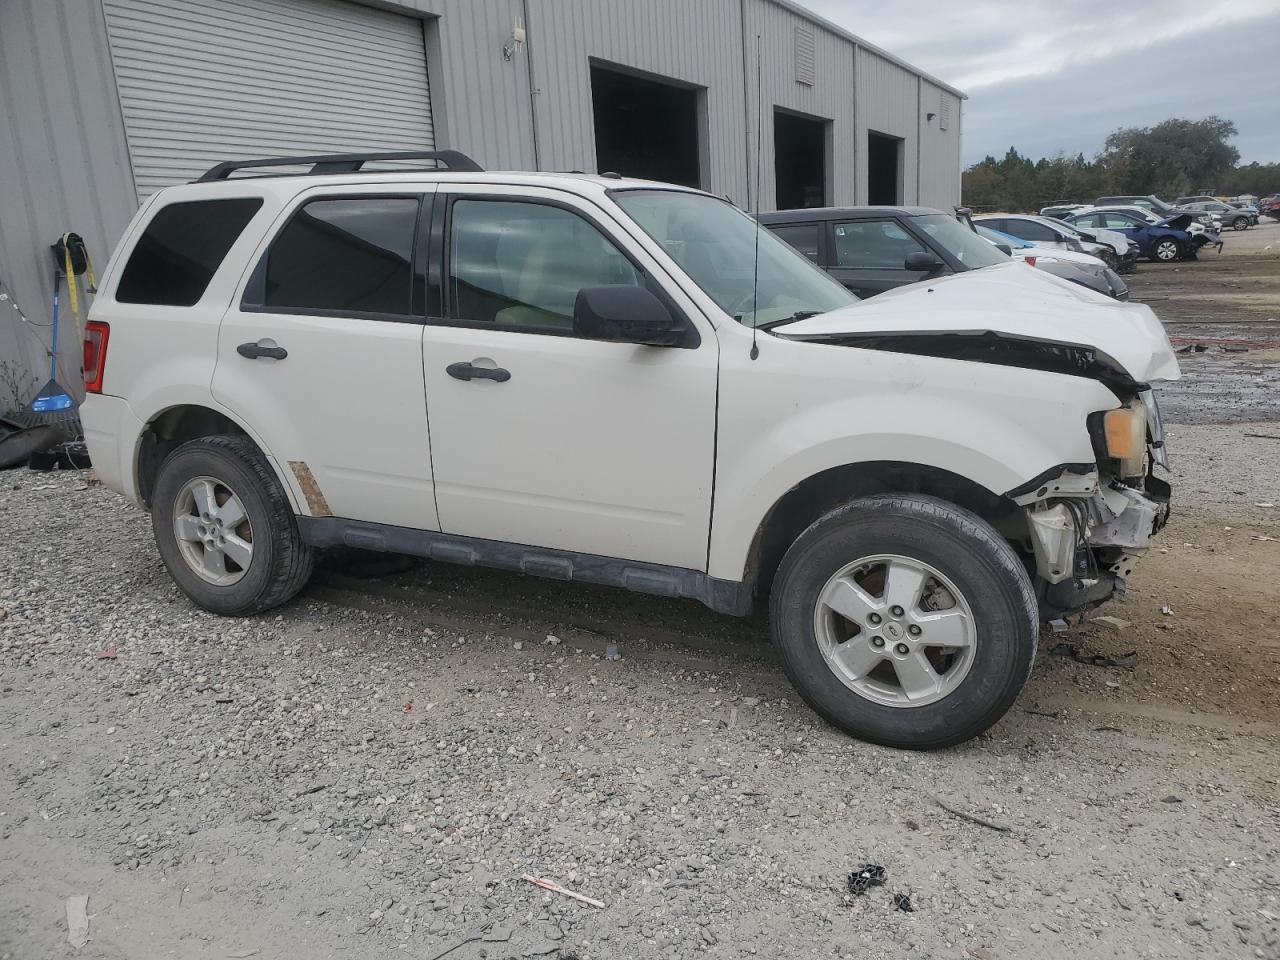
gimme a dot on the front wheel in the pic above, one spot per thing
(1167, 250)
(1240, 223)
(225, 528)
(905, 621)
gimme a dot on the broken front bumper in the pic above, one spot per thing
(1086, 539)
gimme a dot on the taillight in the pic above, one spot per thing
(95, 354)
(1031, 261)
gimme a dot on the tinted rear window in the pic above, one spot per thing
(345, 255)
(181, 249)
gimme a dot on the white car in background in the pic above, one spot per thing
(1034, 253)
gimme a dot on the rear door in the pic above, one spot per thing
(868, 256)
(321, 352)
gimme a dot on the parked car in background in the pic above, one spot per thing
(1164, 242)
(1270, 206)
(1199, 198)
(1048, 232)
(1060, 210)
(632, 383)
(874, 249)
(1237, 218)
(1079, 268)
(1157, 206)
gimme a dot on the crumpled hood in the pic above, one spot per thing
(1017, 301)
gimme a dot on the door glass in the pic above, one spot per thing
(1117, 221)
(521, 264)
(873, 244)
(347, 255)
(802, 236)
(1030, 230)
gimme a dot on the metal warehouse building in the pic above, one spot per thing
(106, 101)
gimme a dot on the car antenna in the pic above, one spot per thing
(755, 268)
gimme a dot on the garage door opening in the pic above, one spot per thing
(884, 170)
(645, 128)
(799, 161)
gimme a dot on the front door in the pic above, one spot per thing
(541, 437)
(869, 256)
(321, 354)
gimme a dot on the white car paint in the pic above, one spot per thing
(1049, 309)
(604, 448)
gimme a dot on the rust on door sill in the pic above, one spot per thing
(316, 502)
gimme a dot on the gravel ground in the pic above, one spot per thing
(368, 771)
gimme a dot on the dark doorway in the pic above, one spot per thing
(884, 170)
(799, 161)
(645, 128)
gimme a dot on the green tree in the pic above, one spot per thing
(1171, 159)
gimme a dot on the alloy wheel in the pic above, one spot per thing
(212, 530)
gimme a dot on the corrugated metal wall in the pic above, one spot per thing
(63, 162)
(887, 103)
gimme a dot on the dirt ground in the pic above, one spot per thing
(367, 772)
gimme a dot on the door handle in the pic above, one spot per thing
(253, 351)
(469, 371)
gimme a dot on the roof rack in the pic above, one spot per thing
(342, 163)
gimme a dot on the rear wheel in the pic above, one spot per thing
(905, 620)
(1167, 250)
(225, 528)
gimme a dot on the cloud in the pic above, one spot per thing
(1058, 77)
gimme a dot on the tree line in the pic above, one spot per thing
(1176, 158)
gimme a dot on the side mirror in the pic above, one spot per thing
(627, 314)
(921, 261)
(1005, 249)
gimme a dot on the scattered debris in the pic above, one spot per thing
(1051, 714)
(1128, 661)
(497, 935)
(1264, 504)
(554, 887)
(611, 652)
(1171, 799)
(1107, 730)
(902, 901)
(1058, 626)
(553, 640)
(408, 707)
(1167, 610)
(1232, 349)
(866, 876)
(1262, 538)
(980, 821)
(78, 921)
(1114, 622)
(471, 937)
(107, 653)
(241, 954)
(1263, 436)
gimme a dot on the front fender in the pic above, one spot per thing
(998, 427)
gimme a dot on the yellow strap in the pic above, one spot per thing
(73, 285)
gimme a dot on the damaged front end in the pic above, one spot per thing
(1088, 523)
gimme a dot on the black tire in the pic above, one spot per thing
(1166, 250)
(281, 562)
(958, 544)
(1240, 223)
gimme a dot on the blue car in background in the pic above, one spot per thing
(1164, 241)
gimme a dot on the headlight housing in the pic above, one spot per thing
(1120, 436)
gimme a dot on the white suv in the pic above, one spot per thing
(624, 382)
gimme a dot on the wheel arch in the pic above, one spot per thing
(179, 423)
(821, 492)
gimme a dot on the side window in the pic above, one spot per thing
(520, 263)
(1030, 230)
(873, 244)
(1092, 220)
(802, 236)
(345, 255)
(995, 224)
(1118, 220)
(181, 249)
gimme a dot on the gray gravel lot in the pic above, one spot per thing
(368, 772)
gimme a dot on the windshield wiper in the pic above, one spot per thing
(798, 315)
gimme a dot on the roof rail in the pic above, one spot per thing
(342, 163)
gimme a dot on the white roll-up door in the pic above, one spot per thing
(202, 81)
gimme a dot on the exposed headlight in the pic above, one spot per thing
(1155, 428)
(1124, 437)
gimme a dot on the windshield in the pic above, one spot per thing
(715, 244)
(959, 241)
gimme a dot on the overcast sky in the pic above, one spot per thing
(1050, 76)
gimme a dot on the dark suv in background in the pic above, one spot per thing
(874, 249)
